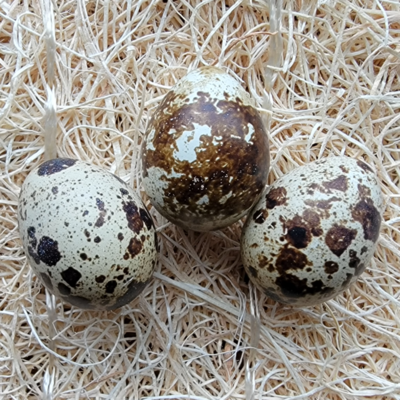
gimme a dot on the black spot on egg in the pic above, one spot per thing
(53, 166)
(110, 286)
(33, 254)
(133, 290)
(294, 287)
(71, 276)
(32, 236)
(54, 189)
(259, 216)
(354, 260)
(48, 251)
(124, 191)
(100, 279)
(330, 267)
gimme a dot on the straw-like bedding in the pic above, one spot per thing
(80, 79)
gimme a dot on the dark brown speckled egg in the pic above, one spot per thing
(314, 232)
(206, 155)
(86, 234)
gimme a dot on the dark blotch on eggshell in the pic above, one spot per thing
(32, 236)
(290, 258)
(48, 251)
(33, 254)
(110, 286)
(276, 197)
(354, 260)
(100, 279)
(294, 287)
(71, 276)
(301, 229)
(259, 216)
(133, 290)
(330, 267)
(135, 222)
(368, 216)
(53, 166)
(340, 183)
(339, 238)
(134, 247)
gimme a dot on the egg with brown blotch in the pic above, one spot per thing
(86, 234)
(314, 231)
(205, 157)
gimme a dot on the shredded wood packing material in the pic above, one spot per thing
(81, 79)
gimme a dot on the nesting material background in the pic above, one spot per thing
(85, 76)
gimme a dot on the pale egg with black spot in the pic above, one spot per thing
(86, 234)
(205, 157)
(314, 231)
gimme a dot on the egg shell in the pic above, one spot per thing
(206, 156)
(86, 234)
(314, 232)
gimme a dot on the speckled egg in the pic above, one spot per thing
(86, 234)
(206, 155)
(314, 232)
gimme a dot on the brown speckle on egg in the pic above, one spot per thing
(330, 267)
(135, 222)
(369, 217)
(276, 197)
(134, 247)
(339, 183)
(339, 238)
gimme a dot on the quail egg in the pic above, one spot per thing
(314, 231)
(205, 156)
(86, 234)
